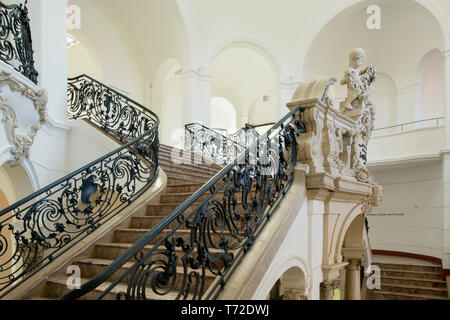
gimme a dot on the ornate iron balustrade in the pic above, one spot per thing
(193, 252)
(211, 144)
(15, 39)
(41, 227)
(245, 136)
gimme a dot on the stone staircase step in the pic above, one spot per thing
(161, 209)
(186, 168)
(181, 197)
(386, 295)
(411, 274)
(133, 235)
(425, 283)
(182, 188)
(187, 175)
(90, 267)
(401, 288)
(111, 251)
(146, 223)
(404, 267)
(185, 156)
(175, 178)
(57, 287)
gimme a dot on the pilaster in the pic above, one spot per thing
(196, 97)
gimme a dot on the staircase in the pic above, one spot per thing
(409, 282)
(183, 180)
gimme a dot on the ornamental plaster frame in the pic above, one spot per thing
(21, 144)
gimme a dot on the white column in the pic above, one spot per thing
(243, 119)
(352, 280)
(196, 97)
(446, 169)
(48, 31)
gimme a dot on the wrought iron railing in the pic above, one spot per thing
(44, 225)
(15, 39)
(211, 144)
(192, 253)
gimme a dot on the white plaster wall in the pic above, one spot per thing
(86, 144)
(243, 76)
(301, 248)
(410, 217)
(121, 63)
(433, 86)
(223, 114)
(410, 144)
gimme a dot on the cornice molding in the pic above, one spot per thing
(191, 73)
(413, 86)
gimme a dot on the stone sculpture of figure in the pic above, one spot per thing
(359, 82)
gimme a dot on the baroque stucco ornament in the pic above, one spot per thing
(21, 144)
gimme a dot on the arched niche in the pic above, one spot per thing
(83, 58)
(290, 286)
(385, 100)
(16, 183)
(166, 102)
(223, 114)
(388, 49)
(243, 73)
(431, 78)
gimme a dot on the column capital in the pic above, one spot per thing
(327, 289)
(354, 265)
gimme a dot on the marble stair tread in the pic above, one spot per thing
(413, 279)
(124, 245)
(408, 267)
(173, 172)
(411, 271)
(199, 169)
(406, 296)
(120, 287)
(404, 286)
(127, 265)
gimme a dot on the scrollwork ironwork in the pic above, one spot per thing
(192, 253)
(41, 227)
(211, 144)
(15, 40)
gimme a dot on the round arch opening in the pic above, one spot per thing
(244, 75)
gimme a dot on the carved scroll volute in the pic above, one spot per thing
(310, 143)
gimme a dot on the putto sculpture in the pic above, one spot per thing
(359, 82)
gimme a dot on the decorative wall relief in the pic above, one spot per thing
(21, 143)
